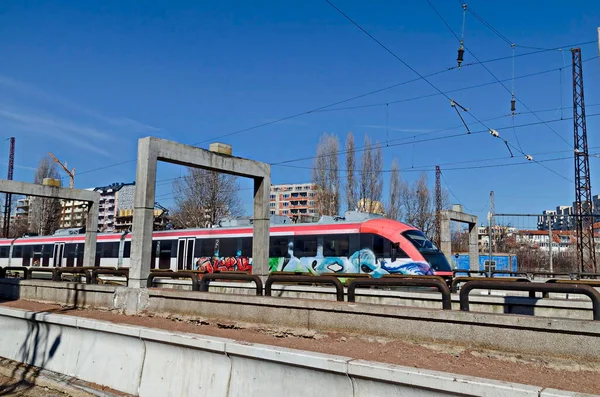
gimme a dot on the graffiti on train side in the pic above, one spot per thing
(362, 261)
(216, 264)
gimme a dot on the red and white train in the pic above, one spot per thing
(358, 243)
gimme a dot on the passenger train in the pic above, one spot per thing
(356, 243)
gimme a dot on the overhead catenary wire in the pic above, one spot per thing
(323, 108)
(467, 168)
(490, 72)
(402, 141)
(527, 156)
(411, 99)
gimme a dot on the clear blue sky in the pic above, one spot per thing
(86, 79)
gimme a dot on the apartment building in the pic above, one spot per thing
(112, 198)
(562, 218)
(73, 213)
(293, 200)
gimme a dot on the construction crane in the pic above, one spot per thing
(64, 167)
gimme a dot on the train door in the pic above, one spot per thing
(57, 255)
(185, 253)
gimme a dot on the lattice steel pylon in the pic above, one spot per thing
(8, 196)
(584, 220)
(437, 232)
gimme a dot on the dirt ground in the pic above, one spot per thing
(550, 373)
(12, 387)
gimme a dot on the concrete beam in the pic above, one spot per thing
(461, 217)
(150, 151)
(33, 189)
(91, 197)
(190, 156)
(446, 235)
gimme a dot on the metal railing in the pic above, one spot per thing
(458, 280)
(174, 275)
(208, 277)
(531, 288)
(404, 281)
(111, 272)
(302, 279)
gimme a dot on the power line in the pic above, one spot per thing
(452, 193)
(508, 145)
(324, 107)
(490, 72)
(394, 142)
(450, 91)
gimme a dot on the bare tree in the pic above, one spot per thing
(45, 212)
(203, 197)
(376, 177)
(418, 203)
(371, 178)
(326, 175)
(365, 173)
(351, 192)
(397, 187)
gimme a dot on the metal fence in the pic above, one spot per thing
(544, 242)
(540, 242)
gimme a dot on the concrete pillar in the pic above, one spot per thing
(261, 224)
(473, 247)
(143, 215)
(91, 232)
(446, 236)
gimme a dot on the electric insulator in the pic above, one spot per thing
(461, 54)
(513, 105)
(494, 133)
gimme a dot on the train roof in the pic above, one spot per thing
(352, 222)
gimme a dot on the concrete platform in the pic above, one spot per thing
(150, 362)
(511, 333)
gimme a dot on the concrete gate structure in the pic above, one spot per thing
(446, 235)
(91, 197)
(152, 150)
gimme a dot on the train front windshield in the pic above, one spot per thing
(432, 254)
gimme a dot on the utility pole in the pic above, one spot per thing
(550, 245)
(8, 196)
(491, 232)
(438, 206)
(584, 220)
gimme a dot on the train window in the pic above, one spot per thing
(353, 243)
(228, 247)
(336, 245)
(107, 250)
(305, 246)
(70, 251)
(17, 251)
(127, 249)
(207, 247)
(278, 247)
(246, 246)
(47, 252)
(27, 254)
(155, 254)
(165, 248)
(4, 250)
(381, 247)
(79, 250)
(70, 254)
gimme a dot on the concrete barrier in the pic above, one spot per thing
(528, 335)
(102, 296)
(148, 362)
